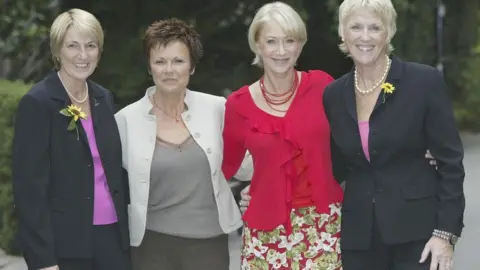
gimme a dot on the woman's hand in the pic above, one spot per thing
(441, 254)
(245, 201)
(429, 156)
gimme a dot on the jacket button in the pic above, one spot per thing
(187, 118)
(215, 172)
(209, 150)
(197, 135)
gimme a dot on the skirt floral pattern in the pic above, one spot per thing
(314, 243)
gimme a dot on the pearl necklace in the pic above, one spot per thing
(376, 85)
(70, 94)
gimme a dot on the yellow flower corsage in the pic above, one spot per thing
(387, 88)
(75, 113)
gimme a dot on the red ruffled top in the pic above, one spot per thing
(291, 154)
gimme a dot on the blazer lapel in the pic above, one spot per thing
(349, 90)
(95, 99)
(59, 94)
(393, 77)
(97, 102)
(99, 109)
(349, 96)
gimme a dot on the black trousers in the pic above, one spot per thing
(382, 256)
(107, 252)
(166, 252)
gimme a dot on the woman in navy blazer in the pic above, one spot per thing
(398, 211)
(70, 190)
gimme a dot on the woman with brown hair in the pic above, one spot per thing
(181, 208)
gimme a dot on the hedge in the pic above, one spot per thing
(10, 94)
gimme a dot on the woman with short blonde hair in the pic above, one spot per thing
(293, 221)
(70, 191)
(398, 212)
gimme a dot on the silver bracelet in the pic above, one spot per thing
(442, 235)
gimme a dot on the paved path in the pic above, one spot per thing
(467, 254)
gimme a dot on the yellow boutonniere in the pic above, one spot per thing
(75, 113)
(387, 88)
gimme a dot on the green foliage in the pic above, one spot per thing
(10, 94)
(415, 36)
(467, 107)
(415, 40)
(24, 52)
(223, 26)
(24, 27)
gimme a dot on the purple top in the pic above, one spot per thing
(364, 127)
(103, 207)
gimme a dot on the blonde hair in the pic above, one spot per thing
(84, 21)
(383, 8)
(285, 16)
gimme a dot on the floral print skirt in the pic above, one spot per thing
(314, 243)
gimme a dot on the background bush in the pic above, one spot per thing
(223, 25)
(10, 94)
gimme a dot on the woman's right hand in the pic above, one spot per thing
(245, 201)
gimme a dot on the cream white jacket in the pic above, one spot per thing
(204, 120)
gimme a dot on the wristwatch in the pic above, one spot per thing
(450, 237)
(453, 240)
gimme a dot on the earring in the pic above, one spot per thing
(192, 72)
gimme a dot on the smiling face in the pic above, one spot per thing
(170, 66)
(278, 51)
(78, 55)
(365, 37)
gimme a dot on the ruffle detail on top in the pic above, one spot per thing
(292, 153)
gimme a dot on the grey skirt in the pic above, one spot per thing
(160, 251)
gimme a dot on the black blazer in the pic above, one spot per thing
(53, 178)
(411, 197)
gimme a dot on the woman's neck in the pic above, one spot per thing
(371, 74)
(279, 83)
(76, 88)
(171, 103)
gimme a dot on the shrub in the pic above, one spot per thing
(467, 108)
(10, 94)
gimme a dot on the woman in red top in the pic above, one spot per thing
(293, 220)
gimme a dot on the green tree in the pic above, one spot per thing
(223, 26)
(24, 29)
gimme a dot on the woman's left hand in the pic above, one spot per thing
(429, 156)
(441, 254)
